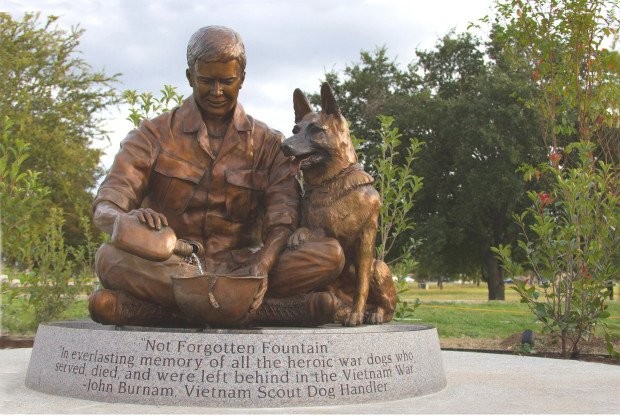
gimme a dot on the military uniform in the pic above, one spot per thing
(229, 197)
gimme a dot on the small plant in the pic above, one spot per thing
(525, 349)
(404, 309)
(145, 105)
(570, 241)
(397, 186)
(24, 201)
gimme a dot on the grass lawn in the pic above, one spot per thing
(463, 311)
(456, 311)
(456, 292)
(488, 320)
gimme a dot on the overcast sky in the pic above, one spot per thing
(289, 43)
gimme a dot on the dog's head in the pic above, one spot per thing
(320, 146)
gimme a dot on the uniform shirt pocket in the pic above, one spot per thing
(244, 193)
(174, 182)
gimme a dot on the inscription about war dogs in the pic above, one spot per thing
(223, 370)
(216, 371)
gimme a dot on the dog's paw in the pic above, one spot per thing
(353, 319)
(374, 318)
(298, 237)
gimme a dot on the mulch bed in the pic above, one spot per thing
(15, 342)
(543, 346)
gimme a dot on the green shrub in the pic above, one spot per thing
(50, 273)
(397, 186)
(570, 241)
(145, 105)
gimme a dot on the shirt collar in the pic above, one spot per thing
(192, 118)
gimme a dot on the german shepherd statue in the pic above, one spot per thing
(340, 202)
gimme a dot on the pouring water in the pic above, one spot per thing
(196, 260)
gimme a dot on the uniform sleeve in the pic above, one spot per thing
(282, 194)
(126, 183)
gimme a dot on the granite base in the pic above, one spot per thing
(258, 367)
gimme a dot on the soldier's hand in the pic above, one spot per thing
(150, 218)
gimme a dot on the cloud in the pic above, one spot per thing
(289, 43)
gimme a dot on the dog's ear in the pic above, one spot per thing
(328, 101)
(300, 105)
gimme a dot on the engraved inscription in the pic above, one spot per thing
(217, 371)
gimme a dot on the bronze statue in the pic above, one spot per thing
(216, 178)
(341, 203)
(200, 204)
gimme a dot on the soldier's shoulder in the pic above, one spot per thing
(262, 128)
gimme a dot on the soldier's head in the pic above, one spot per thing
(215, 69)
(215, 44)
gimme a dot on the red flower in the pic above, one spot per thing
(555, 158)
(545, 199)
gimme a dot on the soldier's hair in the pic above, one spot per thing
(215, 44)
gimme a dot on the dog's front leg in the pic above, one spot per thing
(363, 264)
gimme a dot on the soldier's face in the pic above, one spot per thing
(216, 86)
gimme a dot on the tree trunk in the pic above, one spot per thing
(495, 277)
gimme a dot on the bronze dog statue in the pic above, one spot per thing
(340, 202)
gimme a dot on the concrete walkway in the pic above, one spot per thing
(477, 383)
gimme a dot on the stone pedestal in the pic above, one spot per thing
(259, 367)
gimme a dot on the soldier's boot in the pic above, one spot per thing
(312, 309)
(114, 307)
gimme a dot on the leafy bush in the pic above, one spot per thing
(24, 200)
(145, 105)
(570, 241)
(50, 273)
(397, 186)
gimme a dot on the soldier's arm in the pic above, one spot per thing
(281, 207)
(124, 187)
(106, 212)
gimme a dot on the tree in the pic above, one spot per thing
(34, 249)
(54, 100)
(369, 89)
(576, 79)
(468, 109)
(573, 240)
(478, 134)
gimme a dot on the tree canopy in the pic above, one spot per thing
(576, 77)
(467, 106)
(54, 99)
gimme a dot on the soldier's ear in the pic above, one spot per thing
(188, 75)
(328, 101)
(300, 105)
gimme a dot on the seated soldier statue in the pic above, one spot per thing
(218, 178)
